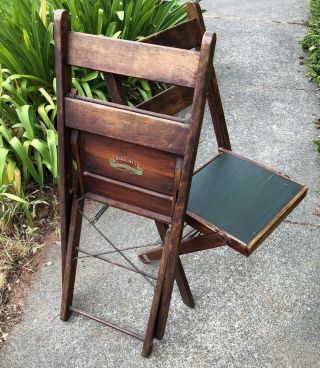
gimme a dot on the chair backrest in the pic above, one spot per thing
(136, 160)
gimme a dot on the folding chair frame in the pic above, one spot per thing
(188, 35)
(72, 192)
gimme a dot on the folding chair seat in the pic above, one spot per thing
(237, 202)
(141, 159)
(242, 198)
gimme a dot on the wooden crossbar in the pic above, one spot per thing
(128, 125)
(162, 103)
(182, 36)
(140, 60)
(107, 323)
(129, 194)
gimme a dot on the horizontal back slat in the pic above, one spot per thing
(127, 162)
(169, 102)
(140, 60)
(128, 194)
(130, 126)
(182, 36)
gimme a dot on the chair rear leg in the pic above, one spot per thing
(71, 262)
(183, 285)
(180, 275)
(152, 323)
(169, 277)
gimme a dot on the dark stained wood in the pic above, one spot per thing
(183, 285)
(115, 89)
(154, 312)
(107, 323)
(169, 102)
(217, 113)
(205, 227)
(76, 155)
(201, 89)
(135, 59)
(130, 126)
(158, 151)
(127, 108)
(253, 245)
(157, 168)
(180, 276)
(128, 208)
(71, 261)
(197, 244)
(194, 12)
(117, 94)
(200, 224)
(182, 36)
(129, 194)
(214, 99)
(169, 259)
(63, 73)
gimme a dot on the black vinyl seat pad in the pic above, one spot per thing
(239, 196)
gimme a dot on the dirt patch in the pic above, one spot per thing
(17, 288)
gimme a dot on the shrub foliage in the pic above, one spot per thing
(28, 136)
(311, 44)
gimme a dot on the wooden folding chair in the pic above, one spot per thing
(141, 159)
(134, 160)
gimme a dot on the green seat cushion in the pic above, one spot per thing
(238, 196)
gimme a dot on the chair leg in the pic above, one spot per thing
(71, 263)
(171, 269)
(152, 323)
(183, 285)
(180, 275)
(197, 244)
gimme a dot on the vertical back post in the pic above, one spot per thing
(214, 99)
(201, 90)
(62, 25)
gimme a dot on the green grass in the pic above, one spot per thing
(311, 44)
(317, 143)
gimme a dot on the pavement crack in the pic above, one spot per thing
(302, 223)
(252, 19)
(279, 88)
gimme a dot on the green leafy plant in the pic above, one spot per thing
(26, 44)
(311, 42)
(317, 143)
(28, 137)
(127, 19)
(26, 30)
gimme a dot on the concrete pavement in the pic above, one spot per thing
(250, 313)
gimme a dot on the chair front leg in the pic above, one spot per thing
(71, 262)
